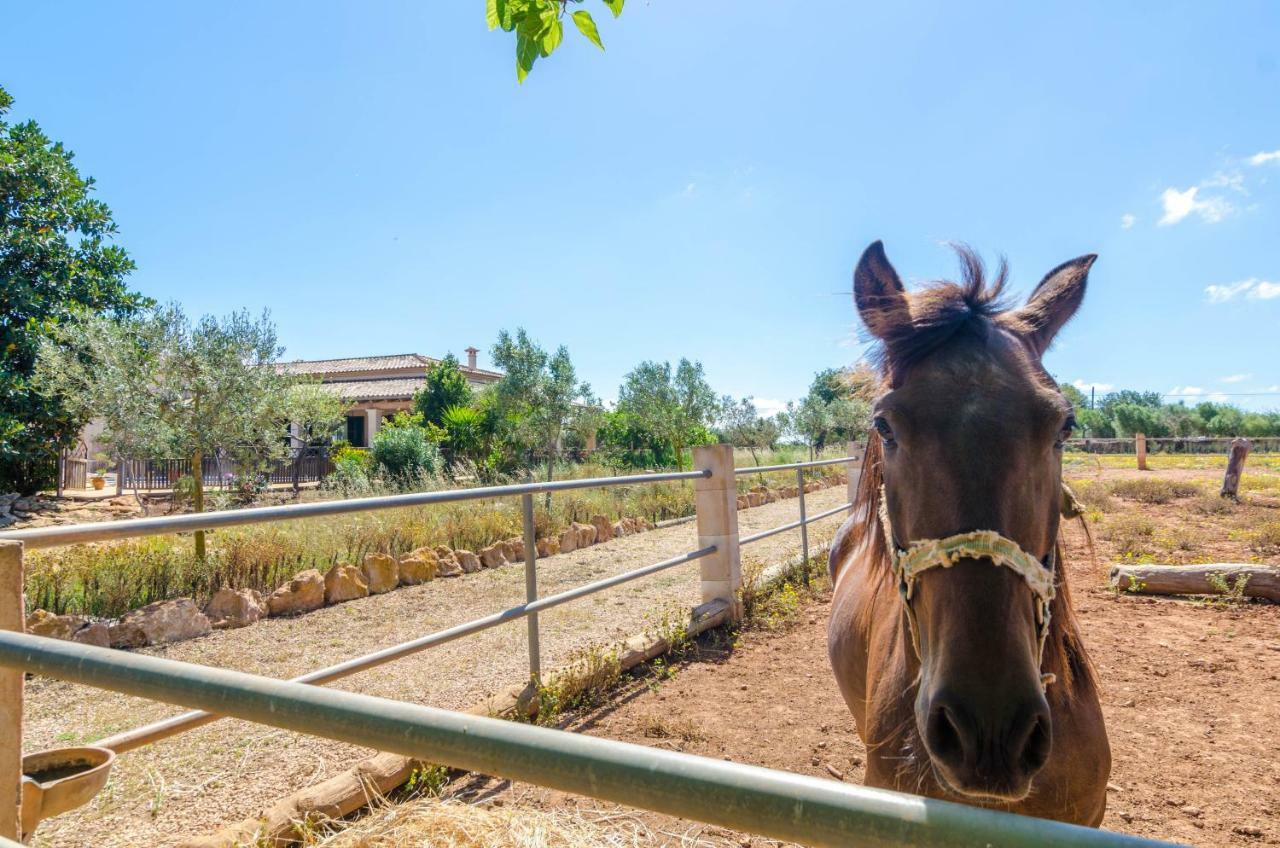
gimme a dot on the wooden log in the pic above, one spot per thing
(1235, 467)
(1208, 579)
(1140, 445)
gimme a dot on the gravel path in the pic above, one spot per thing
(230, 770)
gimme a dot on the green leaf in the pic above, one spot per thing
(526, 55)
(507, 14)
(491, 14)
(615, 6)
(551, 38)
(583, 21)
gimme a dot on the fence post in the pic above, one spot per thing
(1235, 467)
(1140, 445)
(119, 477)
(855, 454)
(12, 617)
(531, 586)
(804, 529)
(716, 498)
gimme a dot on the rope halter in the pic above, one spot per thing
(922, 555)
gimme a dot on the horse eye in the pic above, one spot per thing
(885, 431)
(1065, 433)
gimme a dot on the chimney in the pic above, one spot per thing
(471, 357)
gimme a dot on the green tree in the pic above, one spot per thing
(1075, 396)
(56, 260)
(538, 396)
(317, 411)
(539, 26)
(167, 387)
(1227, 421)
(445, 387)
(677, 407)
(741, 425)
(1133, 418)
(1095, 424)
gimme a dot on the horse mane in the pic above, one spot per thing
(1064, 653)
(945, 310)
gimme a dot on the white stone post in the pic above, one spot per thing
(716, 498)
(12, 617)
(372, 419)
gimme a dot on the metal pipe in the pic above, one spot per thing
(52, 537)
(804, 529)
(780, 805)
(531, 586)
(782, 528)
(759, 469)
(154, 732)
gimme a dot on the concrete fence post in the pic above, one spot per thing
(1140, 445)
(716, 498)
(12, 617)
(855, 451)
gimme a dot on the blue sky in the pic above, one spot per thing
(373, 175)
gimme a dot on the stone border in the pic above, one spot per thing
(178, 619)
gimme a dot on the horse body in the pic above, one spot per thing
(967, 438)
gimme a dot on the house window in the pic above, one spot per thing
(355, 431)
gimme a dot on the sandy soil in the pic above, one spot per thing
(230, 770)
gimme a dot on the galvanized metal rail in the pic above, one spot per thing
(776, 804)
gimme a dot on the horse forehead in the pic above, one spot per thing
(977, 390)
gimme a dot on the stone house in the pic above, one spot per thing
(379, 386)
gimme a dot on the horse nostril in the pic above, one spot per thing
(1036, 744)
(945, 741)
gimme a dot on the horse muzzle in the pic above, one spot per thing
(984, 747)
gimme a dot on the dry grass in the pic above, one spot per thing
(1154, 490)
(432, 823)
(1131, 535)
(1266, 539)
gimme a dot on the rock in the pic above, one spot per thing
(755, 499)
(568, 540)
(586, 534)
(643, 525)
(381, 572)
(94, 633)
(23, 505)
(548, 547)
(345, 582)
(160, 623)
(418, 566)
(447, 564)
(514, 549)
(303, 593)
(230, 608)
(494, 556)
(6, 519)
(743, 503)
(604, 528)
(619, 529)
(44, 623)
(469, 562)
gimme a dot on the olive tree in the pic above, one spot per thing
(677, 406)
(166, 386)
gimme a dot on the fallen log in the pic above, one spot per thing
(1215, 578)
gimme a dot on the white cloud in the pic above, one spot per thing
(1218, 397)
(1252, 288)
(690, 190)
(1127, 221)
(1272, 389)
(1186, 391)
(1236, 378)
(1264, 157)
(1086, 387)
(1179, 204)
(1233, 180)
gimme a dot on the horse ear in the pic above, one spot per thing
(1054, 301)
(878, 293)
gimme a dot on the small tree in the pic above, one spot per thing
(677, 407)
(317, 411)
(742, 426)
(56, 261)
(445, 387)
(538, 396)
(166, 387)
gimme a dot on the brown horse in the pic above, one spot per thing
(960, 686)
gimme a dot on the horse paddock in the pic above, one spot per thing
(1190, 688)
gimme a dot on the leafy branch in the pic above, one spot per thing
(539, 26)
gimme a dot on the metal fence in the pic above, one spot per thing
(777, 804)
(301, 465)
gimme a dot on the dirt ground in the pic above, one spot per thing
(1191, 694)
(231, 770)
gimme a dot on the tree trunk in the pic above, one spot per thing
(551, 470)
(197, 496)
(1235, 467)
(1211, 579)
